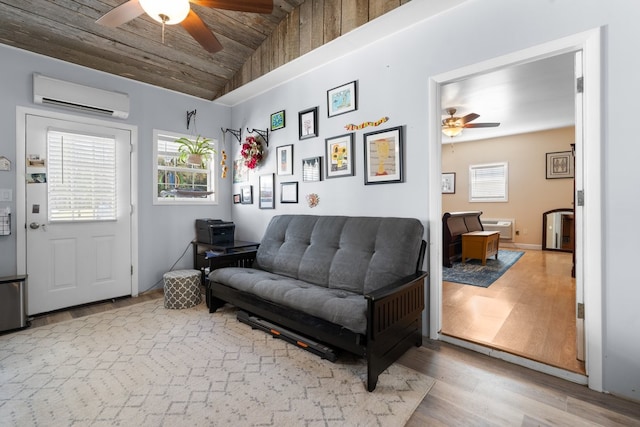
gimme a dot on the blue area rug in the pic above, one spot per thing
(476, 274)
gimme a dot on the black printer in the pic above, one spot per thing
(215, 231)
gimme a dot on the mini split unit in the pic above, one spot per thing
(47, 90)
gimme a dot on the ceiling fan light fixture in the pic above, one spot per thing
(451, 131)
(168, 12)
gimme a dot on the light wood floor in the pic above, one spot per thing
(529, 311)
(471, 389)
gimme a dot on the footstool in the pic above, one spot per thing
(181, 289)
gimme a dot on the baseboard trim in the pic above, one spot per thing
(528, 246)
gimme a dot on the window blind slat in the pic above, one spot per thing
(81, 177)
(488, 182)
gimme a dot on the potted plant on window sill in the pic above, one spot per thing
(195, 152)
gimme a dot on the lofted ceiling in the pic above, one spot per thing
(67, 30)
(523, 98)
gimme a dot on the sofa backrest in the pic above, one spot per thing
(457, 223)
(358, 254)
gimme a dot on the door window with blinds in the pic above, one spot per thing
(81, 177)
(178, 181)
(489, 183)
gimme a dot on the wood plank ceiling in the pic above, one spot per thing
(254, 44)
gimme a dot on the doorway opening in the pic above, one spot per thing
(588, 172)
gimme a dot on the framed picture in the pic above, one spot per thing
(289, 192)
(284, 157)
(339, 155)
(448, 183)
(312, 169)
(342, 99)
(240, 171)
(383, 156)
(246, 194)
(308, 123)
(266, 192)
(560, 165)
(236, 199)
(277, 120)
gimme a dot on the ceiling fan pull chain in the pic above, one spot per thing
(164, 18)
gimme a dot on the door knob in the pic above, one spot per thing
(34, 226)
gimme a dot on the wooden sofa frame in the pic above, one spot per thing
(394, 316)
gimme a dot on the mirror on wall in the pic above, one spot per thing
(558, 230)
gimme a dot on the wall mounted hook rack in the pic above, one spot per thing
(234, 132)
(263, 133)
(191, 114)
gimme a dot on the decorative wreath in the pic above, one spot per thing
(252, 152)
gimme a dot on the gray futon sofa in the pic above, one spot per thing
(354, 283)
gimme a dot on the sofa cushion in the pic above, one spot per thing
(457, 226)
(473, 223)
(334, 305)
(354, 254)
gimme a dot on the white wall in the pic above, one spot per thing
(164, 231)
(393, 78)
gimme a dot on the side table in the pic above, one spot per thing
(480, 245)
(203, 253)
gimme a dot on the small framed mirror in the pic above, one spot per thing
(558, 230)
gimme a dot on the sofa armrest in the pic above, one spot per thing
(392, 307)
(397, 286)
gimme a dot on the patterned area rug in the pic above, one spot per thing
(474, 273)
(145, 365)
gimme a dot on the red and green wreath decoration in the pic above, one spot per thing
(252, 152)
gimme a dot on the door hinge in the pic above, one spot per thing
(580, 198)
(580, 84)
(132, 270)
(580, 311)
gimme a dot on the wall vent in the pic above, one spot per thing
(506, 226)
(60, 93)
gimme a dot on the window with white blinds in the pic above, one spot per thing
(81, 177)
(489, 183)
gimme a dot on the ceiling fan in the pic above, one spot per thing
(452, 126)
(171, 12)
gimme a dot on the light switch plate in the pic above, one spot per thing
(6, 195)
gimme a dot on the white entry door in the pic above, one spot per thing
(78, 213)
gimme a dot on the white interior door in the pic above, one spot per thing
(78, 213)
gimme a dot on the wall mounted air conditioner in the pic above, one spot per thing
(506, 227)
(47, 90)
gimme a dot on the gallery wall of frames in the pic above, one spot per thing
(383, 152)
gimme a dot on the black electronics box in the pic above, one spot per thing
(215, 231)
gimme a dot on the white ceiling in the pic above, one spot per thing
(523, 98)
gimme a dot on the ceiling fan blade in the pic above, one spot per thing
(199, 31)
(256, 6)
(469, 117)
(121, 14)
(481, 125)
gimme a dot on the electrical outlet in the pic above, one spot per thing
(517, 232)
